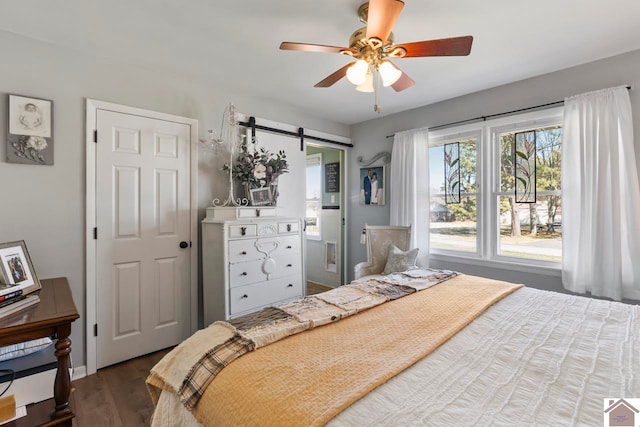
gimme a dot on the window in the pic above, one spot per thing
(314, 196)
(533, 229)
(495, 190)
(453, 225)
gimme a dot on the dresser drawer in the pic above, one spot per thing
(267, 245)
(251, 297)
(287, 245)
(256, 212)
(288, 227)
(243, 273)
(267, 229)
(286, 288)
(243, 230)
(243, 250)
(287, 265)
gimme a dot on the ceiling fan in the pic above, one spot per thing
(372, 47)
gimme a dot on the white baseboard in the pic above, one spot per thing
(79, 372)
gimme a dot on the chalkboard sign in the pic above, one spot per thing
(332, 178)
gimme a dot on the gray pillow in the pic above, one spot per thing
(398, 260)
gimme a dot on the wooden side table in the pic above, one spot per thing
(52, 317)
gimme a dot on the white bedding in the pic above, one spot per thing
(534, 358)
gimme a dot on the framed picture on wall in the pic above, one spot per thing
(30, 139)
(17, 273)
(372, 185)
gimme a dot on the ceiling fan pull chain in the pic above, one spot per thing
(376, 90)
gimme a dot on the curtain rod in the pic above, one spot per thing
(300, 134)
(490, 116)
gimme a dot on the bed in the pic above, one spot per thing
(461, 351)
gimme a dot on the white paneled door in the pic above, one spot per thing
(143, 235)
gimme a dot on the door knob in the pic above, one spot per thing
(184, 244)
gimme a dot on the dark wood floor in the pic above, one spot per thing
(316, 288)
(117, 396)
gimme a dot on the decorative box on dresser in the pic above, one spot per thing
(251, 258)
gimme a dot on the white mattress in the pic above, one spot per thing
(534, 358)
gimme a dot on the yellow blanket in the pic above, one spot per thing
(308, 378)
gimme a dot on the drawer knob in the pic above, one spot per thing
(244, 296)
(289, 247)
(243, 230)
(289, 285)
(289, 265)
(243, 253)
(244, 273)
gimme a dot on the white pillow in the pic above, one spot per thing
(24, 348)
(398, 260)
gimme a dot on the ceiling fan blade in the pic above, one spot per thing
(307, 47)
(382, 16)
(330, 80)
(404, 82)
(454, 46)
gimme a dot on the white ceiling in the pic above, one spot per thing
(235, 43)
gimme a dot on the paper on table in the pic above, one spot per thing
(21, 411)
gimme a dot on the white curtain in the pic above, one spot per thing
(409, 188)
(600, 196)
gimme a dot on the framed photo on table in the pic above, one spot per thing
(260, 196)
(17, 273)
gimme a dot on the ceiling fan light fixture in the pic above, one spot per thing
(389, 73)
(357, 73)
(367, 85)
(373, 46)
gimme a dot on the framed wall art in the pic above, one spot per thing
(30, 139)
(17, 275)
(372, 185)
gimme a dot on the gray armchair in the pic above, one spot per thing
(379, 237)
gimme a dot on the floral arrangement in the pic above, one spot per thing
(30, 147)
(257, 169)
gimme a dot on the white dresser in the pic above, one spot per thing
(251, 258)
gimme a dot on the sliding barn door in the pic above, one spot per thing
(292, 185)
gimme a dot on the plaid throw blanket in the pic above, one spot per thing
(272, 324)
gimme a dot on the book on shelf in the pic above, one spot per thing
(21, 304)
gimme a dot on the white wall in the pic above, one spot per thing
(369, 138)
(45, 205)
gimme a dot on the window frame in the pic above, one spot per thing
(488, 185)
